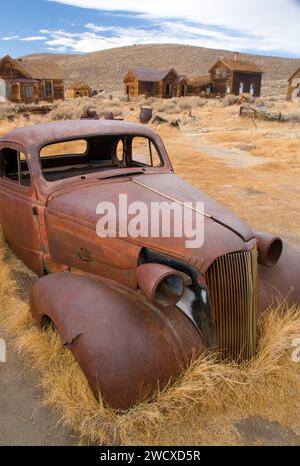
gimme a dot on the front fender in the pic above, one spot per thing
(282, 281)
(125, 347)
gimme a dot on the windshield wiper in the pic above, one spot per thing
(116, 175)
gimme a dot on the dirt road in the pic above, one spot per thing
(23, 420)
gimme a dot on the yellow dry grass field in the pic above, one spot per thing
(254, 170)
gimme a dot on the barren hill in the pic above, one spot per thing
(106, 69)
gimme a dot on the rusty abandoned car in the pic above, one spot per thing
(133, 311)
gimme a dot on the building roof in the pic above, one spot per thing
(240, 65)
(17, 65)
(151, 75)
(40, 69)
(295, 72)
(199, 80)
(79, 85)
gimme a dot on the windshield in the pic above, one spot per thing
(85, 156)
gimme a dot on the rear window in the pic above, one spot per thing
(76, 147)
(80, 157)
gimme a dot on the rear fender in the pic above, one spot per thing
(125, 347)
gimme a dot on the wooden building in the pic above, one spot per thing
(235, 77)
(24, 80)
(158, 83)
(199, 85)
(79, 89)
(294, 86)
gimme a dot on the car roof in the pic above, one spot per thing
(46, 133)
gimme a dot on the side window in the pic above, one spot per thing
(14, 166)
(143, 152)
(48, 89)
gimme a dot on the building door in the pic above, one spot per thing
(183, 90)
(168, 90)
(241, 89)
(252, 89)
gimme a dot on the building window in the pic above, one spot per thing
(252, 89)
(48, 89)
(127, 89)
(28, 91)
(241, 89)
(218, 72)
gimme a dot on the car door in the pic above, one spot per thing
(18, 207)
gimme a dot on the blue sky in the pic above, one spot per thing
(80, 26)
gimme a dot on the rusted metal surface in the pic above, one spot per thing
(162, 285)
(269, 248)
(282, 281)
(110, 313)
(233, 284)
(146, 115)
(126, 348)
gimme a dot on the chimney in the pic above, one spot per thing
(236, 56)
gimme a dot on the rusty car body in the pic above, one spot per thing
(134, 311)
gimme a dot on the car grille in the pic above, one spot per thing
(233, 286)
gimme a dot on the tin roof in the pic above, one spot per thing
(240, 65)
(151, 75)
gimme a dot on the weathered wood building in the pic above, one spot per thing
(79, 89)
(199, 85)
(294, 86)
(28, 81)
(158, 83)
(235, 77)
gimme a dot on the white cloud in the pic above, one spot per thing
(33, 38)
(259, 25)
(10, 37)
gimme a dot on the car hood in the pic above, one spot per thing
(223, 231)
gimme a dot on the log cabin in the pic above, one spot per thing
(157, 83)
(30, 81)
(78, 89)
(294, 86)
(199, 85)
(235, 77)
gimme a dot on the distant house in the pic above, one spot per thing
(24, 80)
(199, 85)
(79, 89)
(294, 86)
(158, 83)
(236, 77)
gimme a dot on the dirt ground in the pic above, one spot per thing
(24, 421)
(254, 169)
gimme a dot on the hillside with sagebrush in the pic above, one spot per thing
(106, 69)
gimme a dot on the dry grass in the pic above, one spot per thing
(201, 408)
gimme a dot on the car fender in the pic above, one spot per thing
(126, 347)
(282, 281)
